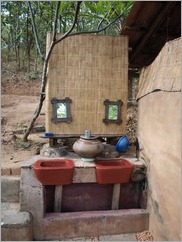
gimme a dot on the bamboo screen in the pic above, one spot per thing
(88, 69)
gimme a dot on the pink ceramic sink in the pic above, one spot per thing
(113, 171)
(54, 171)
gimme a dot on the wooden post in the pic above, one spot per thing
(58, 198)
(115, 196)
(52, 142)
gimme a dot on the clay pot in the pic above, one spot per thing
(88, 148)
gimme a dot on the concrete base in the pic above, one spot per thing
(115, 237)
(17, 227)
(63, 225)
(57, 226)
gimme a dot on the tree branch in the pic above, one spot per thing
(102, 20)
(44, 73)
(97, 30)
(73, 25)
(55, 21)
(35, 30)
(6, 41)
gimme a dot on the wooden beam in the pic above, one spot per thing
(115, 196)
(58, 199)
(159, 19)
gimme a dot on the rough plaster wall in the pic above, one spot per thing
(159, 133)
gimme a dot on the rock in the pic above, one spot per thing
(109, 152)
(25, 144)
(13, 137)
(53, 152)
(37, 151)
(3, 120)
(131, 131)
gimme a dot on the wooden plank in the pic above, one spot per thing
(78, 136)
(115, 196)
(58, 198)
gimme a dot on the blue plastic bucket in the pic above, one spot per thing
(122, 144)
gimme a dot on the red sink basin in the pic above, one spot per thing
(113, 171)
(54, 171)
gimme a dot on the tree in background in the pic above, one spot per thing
(25, 25)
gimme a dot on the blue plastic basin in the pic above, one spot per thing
(122, 144)
(49, 134)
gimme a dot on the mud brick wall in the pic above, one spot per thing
(159, 133)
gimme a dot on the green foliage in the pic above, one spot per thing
(17, 39)
(113, 112)
(34, 74)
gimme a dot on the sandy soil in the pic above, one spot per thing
(19, 99)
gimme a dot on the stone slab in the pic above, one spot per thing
(10, 188)
(17, 227)
(119, 237)
(9, 209)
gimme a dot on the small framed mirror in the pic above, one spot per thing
(112, 111)
(61, 110)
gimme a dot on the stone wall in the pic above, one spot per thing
(159, 133)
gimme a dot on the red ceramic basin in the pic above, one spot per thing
(113, 171)
(54, 171)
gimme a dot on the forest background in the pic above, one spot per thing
(24, 26)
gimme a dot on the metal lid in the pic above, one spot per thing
(88, 136)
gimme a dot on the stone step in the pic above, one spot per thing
(9, 209)
(15, 225)
(10, 169)
(10, 189)
(98, 224)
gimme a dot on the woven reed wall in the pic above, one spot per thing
(88, 69)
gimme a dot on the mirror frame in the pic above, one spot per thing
(119, 104)
(67, 101)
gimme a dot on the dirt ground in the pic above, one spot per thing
(19, 99)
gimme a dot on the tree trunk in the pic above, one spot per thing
(42, 96)
(28, 44)
(36, 57)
